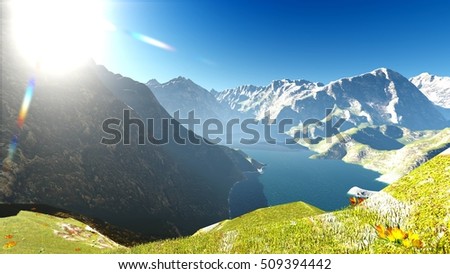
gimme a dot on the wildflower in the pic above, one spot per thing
(415, 240)
(9, 245)
(396, 234)
(407, 243)
(9, 236)
(381, 231)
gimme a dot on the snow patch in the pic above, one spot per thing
(390, 108)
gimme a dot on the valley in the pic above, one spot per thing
(141, 192)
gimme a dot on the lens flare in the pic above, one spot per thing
(26, 103)
(42, 17)
(22, 116)
(149, 40)
(13, 147)
(29, 91)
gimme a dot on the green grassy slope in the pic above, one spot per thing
(418, 204)
(263, 230)
(32, 232)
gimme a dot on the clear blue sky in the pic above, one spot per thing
(223, 44)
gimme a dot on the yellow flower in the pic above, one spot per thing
(415, 240)
(381, 231)
(396, 234)
(407, 242)
(417, 243)
(9, 245)
(413, 236)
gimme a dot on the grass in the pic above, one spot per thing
(263, 229)
(419, 203)
(32, 232)
(427, 189)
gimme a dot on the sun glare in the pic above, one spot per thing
(59, 35)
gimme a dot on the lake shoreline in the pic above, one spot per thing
(290, 175)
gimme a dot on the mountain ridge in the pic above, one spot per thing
(160, 191)
(381, 96)
(436, 88)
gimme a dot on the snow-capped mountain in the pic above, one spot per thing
(273, 99)
(184, 95)
(379, 97)
(436, 88)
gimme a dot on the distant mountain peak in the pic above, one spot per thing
(425, 74)
(285, 80)
(297, 82)
(181, 79)
(153, 82)
(428, 77)
(183, 95)
(436, 88)
(387, 73)
(379, 72)
(382, 70)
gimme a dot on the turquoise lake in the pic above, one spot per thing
(291, 176)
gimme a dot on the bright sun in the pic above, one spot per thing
(59, 35)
